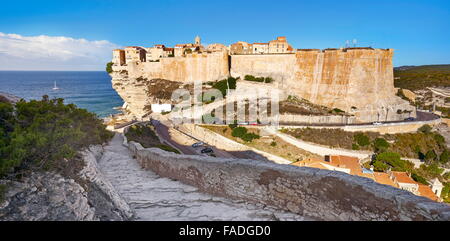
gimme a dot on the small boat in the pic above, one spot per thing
(55, 87)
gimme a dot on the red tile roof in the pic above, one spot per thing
(402, 177)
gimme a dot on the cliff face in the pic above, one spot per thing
(49, 196)
(358, 81)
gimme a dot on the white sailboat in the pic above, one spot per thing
(55, 87)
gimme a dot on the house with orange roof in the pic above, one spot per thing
(384, 178)
(425, 191)
(404, 181)
(349, 165)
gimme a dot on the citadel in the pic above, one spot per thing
(357, 80)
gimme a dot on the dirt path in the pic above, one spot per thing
(154, 198)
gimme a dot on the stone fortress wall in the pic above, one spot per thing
(202, 67)
(321, 194)
(357, 80)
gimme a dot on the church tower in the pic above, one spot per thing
(197, 40)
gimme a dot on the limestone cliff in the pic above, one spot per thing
(49, 196)
(357, 80)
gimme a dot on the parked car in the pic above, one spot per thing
(207, 150)
(377, 123)
(253, 123)
(242, 123)
(410, 119)
(197, 144)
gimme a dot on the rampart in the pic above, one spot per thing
(325, 195)
(203, 67)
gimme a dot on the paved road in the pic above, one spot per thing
(155, 198)
(163, 132)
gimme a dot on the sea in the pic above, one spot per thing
(90, 90)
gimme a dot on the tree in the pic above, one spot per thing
(419, 178)
(380, 145)
(239, 131)
(47, 132)
(386, 160)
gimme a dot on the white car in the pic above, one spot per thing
(377, 123)
(197, 144)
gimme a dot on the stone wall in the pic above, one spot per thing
(308, 119)
(321, 194)
(202, 67)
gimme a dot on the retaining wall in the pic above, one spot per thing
(321, 194)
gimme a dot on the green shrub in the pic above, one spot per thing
(425, 129)
(431, 171)
(362, 139)
(380, 145)
(249, 137)
(239, 131)
(273, 144)
(430, 156)
(445, 155)
(109, 67)
(268, 80)
(225, 84)
(355, 147)
(418, 178)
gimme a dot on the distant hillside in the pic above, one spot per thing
(420, 77)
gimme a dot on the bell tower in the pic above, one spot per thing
(197, 40)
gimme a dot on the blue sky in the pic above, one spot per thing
(418, 30)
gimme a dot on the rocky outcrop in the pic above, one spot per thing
(9, 98)
(49, 196)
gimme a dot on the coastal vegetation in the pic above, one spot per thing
(420, 77)
(109, 69)
(46, 135)
(146, 136)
